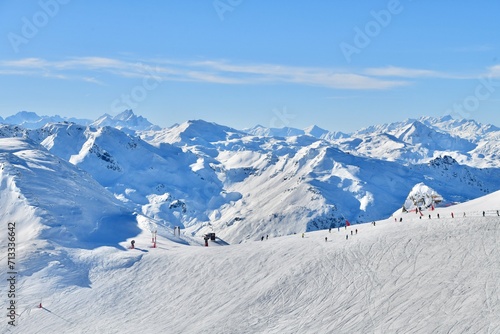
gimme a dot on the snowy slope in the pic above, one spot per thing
(57, 210)
(162, 182)
(63, 197)
(417, 276)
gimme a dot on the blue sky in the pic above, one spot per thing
(339, 64)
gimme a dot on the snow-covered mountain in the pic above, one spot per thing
(203, 177)
(56, 211)
(419, 141)
(31, 120)
(410, 141)
(313, 130)
(125, 120)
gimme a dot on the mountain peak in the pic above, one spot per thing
(444, 160)
(125, 120)
(199, 129)
(315, 131)
(24, 115)
(31, 120)
(126, 115)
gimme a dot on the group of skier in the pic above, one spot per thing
(355, 231)
(484, 213)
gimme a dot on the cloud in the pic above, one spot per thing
(93, 80)
(220, 72)
(262, 73)
(25, 63)
(494, 71)
(392, 71)
(415, 73)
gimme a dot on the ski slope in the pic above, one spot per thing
(419, 275)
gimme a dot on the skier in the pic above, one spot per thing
(484, 213)
(326, 239)
(351, 232)
(452, 215)
(346, 236)
(330, 230)
(356, 231)
(438, 215)
(262, 238)
(498, 214)
(132, 243)
(429, 216)
(302, 235)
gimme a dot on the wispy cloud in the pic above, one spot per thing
(494, 71)
(402, 72)
(215, 71)
(332, 78)
(93, 80)
(392, 71)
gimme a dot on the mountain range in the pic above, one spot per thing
(241, 184)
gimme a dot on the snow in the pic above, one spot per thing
(200, 175)
(127, 121)
(422, 196)
(419, 276)
(31, 120)
(408, 142)
(80, 194)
